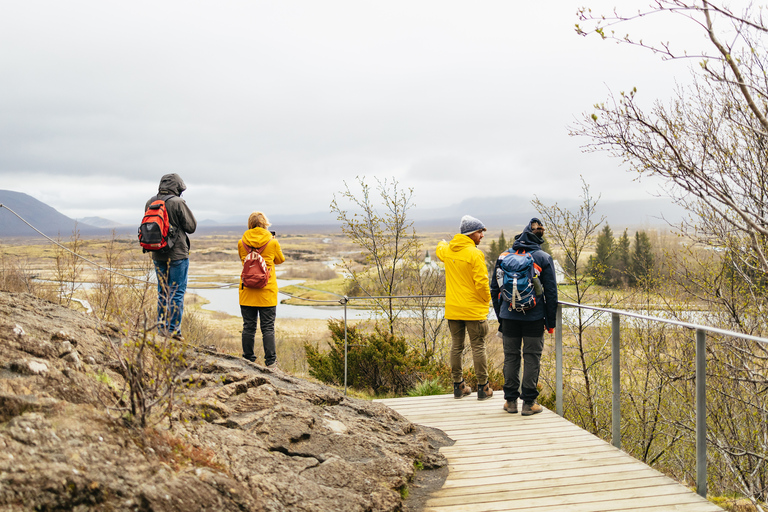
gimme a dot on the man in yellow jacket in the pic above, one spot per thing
(467, 298)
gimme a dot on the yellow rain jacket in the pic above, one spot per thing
(467, 293)
(273, 255)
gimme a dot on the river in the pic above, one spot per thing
(227, 301)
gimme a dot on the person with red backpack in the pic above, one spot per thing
(259, 252)
(167, 221)
(523, 322)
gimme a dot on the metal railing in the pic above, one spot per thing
(700, 380)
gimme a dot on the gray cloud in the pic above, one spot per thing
(276, 103)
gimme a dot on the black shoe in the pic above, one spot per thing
(460, 389)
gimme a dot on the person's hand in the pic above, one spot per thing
(550, 330)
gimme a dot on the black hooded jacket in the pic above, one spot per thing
(529, 242)
(179, 215)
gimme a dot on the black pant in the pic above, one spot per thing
(530, 337)
(250, 319)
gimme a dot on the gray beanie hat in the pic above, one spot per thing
(470, 224)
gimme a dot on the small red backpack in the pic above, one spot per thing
(155, 230)
(255, 272)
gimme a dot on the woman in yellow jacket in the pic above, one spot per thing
(260, 302)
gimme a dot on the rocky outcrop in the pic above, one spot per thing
(244, 437)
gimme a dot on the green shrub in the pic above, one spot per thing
(378, 360)
(429, 387)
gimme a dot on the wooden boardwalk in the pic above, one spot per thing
(503, 461)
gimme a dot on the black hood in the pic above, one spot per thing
(528, 240)
(171, 184)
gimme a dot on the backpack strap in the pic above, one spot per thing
(257, 249)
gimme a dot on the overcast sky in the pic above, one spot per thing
(271, 105)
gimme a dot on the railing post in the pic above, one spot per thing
(616, 381)
(559, 360)
(701, 412)
(345, 300)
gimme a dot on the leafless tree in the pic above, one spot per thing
(709, 144)
(388, 239)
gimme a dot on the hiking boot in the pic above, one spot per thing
(460, 389)
(484, 392)
(530, 409)
(511, 406)
(274, 367)
(178, 337)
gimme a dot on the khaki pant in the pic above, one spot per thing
(477, 330)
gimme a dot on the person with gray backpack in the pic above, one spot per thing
(524, 295)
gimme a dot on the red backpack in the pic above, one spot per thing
(255, 272)
(155, 230)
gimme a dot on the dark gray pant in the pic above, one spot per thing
(528, 336)
(250, 319)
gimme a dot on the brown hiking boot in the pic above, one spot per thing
(531, 409)
(511, 406)
(484, 392)
(460, 389)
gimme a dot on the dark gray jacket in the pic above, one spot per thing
(179, 215)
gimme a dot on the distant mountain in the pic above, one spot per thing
(503, 213)
(506, 213)
(510, 211)
(39, 215)
(99, 222)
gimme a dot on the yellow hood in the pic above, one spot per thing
(257, 237)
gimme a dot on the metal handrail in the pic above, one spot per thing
(701, 376)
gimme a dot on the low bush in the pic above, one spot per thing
(378, 361)
(429, 387)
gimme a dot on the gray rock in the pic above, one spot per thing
(244, 438)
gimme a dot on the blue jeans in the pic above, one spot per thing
(171, 287)
(251, 316)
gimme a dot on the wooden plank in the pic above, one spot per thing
(552, 488)
(580, 460)
(616, 471)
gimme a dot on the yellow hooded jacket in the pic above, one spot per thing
(467, 292)
(273, 255)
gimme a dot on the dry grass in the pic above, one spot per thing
(214, 260)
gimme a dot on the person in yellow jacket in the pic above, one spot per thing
(467, 299)
(260, 302)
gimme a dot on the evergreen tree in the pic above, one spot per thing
(622, 259)
(642, 257)
(600, 265)
(496, 248)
